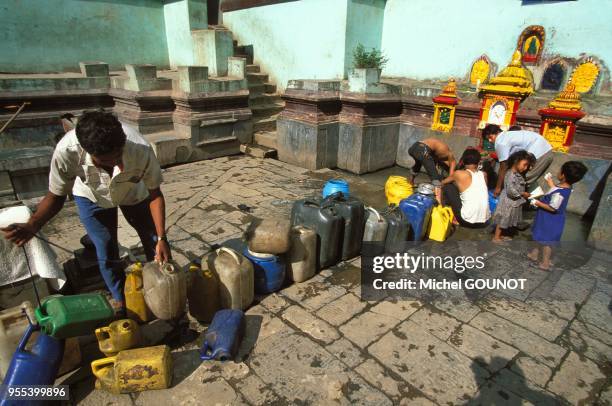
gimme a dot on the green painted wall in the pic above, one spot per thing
(364, 24)
(296, 40)
(182, 16)
(55, 35)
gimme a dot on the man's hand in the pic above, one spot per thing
(20, 233)
(162, 251)
(497, 191)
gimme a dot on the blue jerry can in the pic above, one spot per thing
(492, 202)
(417, 208)
(223, 337)
(269, 271)
(38, 366)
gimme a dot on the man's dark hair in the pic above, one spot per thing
(471, 156)
(573, 171)
(490, 129)
(515, 128)
(519, 156)
(100, 132)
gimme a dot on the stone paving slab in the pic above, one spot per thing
(317, 343)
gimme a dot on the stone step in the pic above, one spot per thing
(257, 77)
(252, 68)
(165, 144)
(258, 151)
(265, 98)
(266, 139)
(270, 88)
(267, 110)
(265, 124)
(249, 58)
(256, 88)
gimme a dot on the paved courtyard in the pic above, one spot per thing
(317, 343)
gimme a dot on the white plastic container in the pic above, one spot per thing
(375, 227)
(236, 279)
(302, 256)
(165, 289)
(13, 323)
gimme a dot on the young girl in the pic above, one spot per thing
(508, 212)
(550, 217)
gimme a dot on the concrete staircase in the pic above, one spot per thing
(264, 101)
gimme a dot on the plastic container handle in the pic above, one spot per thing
(97, 365)
(26, 337)
(372, 209)
(205, 353)
(311, 203)
(102, 333)
(229, 251)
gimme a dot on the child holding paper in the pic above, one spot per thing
(550, 217)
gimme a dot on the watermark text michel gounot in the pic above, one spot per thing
(445, 284)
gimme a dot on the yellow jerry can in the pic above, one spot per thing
(396, 189)
(118, 336)
(203, 291)
(441, 223)
(134, 370)
(135, 304)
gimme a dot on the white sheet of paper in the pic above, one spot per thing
(537, 192)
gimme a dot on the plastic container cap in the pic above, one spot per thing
(426, 189)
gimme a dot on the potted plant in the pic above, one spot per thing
(367, 67)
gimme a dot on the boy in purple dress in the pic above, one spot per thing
(550, 217)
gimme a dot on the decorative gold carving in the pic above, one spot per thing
(556, 134)
(585, 76)
(567, 99)
(480, 71)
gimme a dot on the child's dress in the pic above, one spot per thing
(508, 212)
(547, 226)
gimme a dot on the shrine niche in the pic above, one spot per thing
(444, 108)
(553, 77)
(560, 117)
(502, 96)
(585, 75)
(481, 70)
(531, 43)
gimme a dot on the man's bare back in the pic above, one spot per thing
(441, 151)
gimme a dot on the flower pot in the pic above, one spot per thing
(360, 79)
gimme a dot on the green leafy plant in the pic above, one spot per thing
(363, 58)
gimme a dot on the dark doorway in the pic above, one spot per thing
(213, 12)
(553, 77)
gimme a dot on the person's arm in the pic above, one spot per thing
(157, 205)
(449, 179)
(555, 202)
(503, 168)
(451, 163)
(152, 179)
(21, 233)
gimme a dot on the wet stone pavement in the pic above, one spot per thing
(317, 342)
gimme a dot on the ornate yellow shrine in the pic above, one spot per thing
(559, 119)
(444, 108)
(502, 96)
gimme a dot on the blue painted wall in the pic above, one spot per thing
(54, 35)
(440, 38)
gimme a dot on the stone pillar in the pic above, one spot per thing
(213, 115)
(308, 126)
(181, 17)
(236, 67)
(369, 123)
(143, 100)
(212, 48)
(600, 235)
